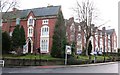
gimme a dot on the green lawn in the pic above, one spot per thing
(30, 56)
(48, 57)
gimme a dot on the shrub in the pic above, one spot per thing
(73, 61)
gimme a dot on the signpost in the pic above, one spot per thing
(79, 52)
(67, 51)
(24, 49)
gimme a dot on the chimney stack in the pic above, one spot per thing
(103, 28)
(103, 31)
(14, 9)
(72, 18)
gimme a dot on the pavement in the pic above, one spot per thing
(63, 66)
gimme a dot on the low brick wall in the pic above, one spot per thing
(34, 62)
(31, 62)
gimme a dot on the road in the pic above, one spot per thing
(106, 68)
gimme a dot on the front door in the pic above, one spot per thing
(29, 47)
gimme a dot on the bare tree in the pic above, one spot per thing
(5, 6)
(85, 13)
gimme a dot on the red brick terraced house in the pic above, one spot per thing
(38, 24)
(74, 34)
(102, 40)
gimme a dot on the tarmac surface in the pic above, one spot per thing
(110, 67)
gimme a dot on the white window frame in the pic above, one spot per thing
(33, 21)
(45, 22)
(45, 31)
(30, 32)
(17, 21)
(44, 45)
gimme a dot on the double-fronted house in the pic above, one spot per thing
(38, 23)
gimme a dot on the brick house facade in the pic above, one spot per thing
(38, 24)
(102, 40)
(74, 34)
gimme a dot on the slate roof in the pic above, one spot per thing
(38, 12)
(110, 31)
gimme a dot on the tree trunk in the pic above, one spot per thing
(87, 43)
(87, 46)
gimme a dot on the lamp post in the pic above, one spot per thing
(39, 55)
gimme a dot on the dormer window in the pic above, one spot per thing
(45, 21)
(18, 21)
(31, 21)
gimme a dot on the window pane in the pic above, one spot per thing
(45, 31)
(45, 21)
(18, 21)
(46, 45)
(30, 21)
(29, 31)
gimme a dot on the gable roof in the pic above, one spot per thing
(38, 12)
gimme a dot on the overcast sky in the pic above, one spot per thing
(107, 9)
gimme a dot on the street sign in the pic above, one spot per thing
(79, 51)
(68, 49)
(24, 49)
(100, 52)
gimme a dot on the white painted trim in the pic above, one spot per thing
(42, 50)
(30, 34)
(28, 21)
(42, 31)
(45, 22)
(31, 44)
